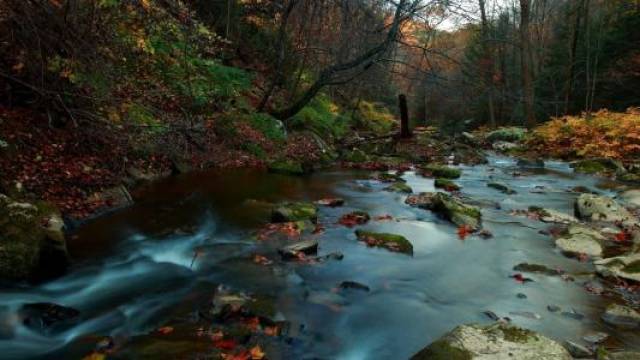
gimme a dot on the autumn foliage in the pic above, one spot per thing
(603, 134)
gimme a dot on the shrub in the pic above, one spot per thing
(603, 134)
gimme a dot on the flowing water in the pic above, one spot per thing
(135, 269)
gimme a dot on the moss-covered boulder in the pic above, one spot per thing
(598, 166)
(441, 171)
(580, 240)
(293, 212)
(399, 187)
(536, 269)
(446, 184)
(510, 134)
(393, 242)
(502, 188)
(32, 242)
(448, 207)
(497, 341)
(622, 316)
(287, 167)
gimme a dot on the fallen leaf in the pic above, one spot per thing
(222, 344)
(256, 353)
(165, 330)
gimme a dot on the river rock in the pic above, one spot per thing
(601, 208)
(622, 355)
(399, 187)
(43, 316)
(441, 171)
(450, 208)
(32, 241)
(578, 351)
(598, 166)
(530, 163)
(387, 177)
(580, 240)
(502, 188)
(631, 197)
(622, 316)
(494, 342)
(446, 184)
(330, 202)
(292, 212)
(553, 216)
(306, 247)
(354, 285)
(624, 267)
(537, 269)
(392, 242)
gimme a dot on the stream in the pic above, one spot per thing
(137, 268)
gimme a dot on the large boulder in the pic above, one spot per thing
(32, 241)
(392, 242)
(601, 208)
(580, 240)
(510, 134)
(493, 342)
(450, 208)
(624, 267)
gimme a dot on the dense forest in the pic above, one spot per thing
(200, 170)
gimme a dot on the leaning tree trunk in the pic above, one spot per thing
(527, 81)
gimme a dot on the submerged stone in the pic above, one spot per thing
(292, 212)
(392, 242)
(43, 316)
(496, 341)
(502, 188)
(535, 268)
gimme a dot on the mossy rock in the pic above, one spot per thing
(446, 184)
(629, 177)
(387, 177)
(294, 212)
(442, 171)
(456, 211)
(499, 341)
(510, 134)
(598, 166)
(287, 167)
(30, 250)
(502, 188)
(393, 242)
(536, 268)
(399, 187)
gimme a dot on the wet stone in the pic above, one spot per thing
(306, 247)
(354, 286)
(43, 316)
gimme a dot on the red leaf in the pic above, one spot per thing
(222, 344)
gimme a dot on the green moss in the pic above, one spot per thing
(441, 171)
(589, 167)
(292, 212)
(288, 167)
(446, 184)
(392, 242)
(629, 177)
(399, 187)
(442, 350)
(356, 156)
(633, 267)
(502, 188)
(387, 177)
(510, 134)
(516, 334)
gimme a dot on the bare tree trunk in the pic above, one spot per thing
(488, 69)
(404, 117)
(527, 81)
(575, 33)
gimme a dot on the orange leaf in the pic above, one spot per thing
(165, 330)
(256, 353)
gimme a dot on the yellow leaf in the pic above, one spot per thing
(256, 353)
